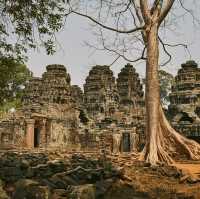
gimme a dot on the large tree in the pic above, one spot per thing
(25, 22)
(140, 22)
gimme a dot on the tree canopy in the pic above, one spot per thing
(28, 24)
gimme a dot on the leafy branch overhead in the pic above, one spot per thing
(27, 24)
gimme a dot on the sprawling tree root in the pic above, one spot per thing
(167, 145)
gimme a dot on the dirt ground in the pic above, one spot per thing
(181, 180)
(192, 168)
(161, 185)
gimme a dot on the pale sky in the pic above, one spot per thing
(78, 59)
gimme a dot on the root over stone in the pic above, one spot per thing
(166, 145)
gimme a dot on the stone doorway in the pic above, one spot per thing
(126, 144)
(36, 137)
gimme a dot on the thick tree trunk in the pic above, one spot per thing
(163, 143)
(152, 95)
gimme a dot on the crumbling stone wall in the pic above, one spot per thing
(32, 91)
(12, 133)
(56, 86)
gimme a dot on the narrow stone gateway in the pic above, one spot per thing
(37, 133)
(126, 144)
(36, 137)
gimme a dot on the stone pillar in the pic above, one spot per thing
(30, 133)
(48, 131)
(43, 134)
(116, 143)
(134, 141)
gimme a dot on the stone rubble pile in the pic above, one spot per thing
(27, 175)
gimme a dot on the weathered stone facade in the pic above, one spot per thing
(130, 89)
(184, 108)
(131, 104)
(117, 107)
(48, 116)
(108, 116)
(131, 98)
(100, 93)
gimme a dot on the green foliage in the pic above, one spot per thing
(29, 23)
(166, 80)
(5, 107)
(13, 76)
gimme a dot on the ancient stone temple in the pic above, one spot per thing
(108, 116)
(131, 104)
(116, 108)
(48, 116)
(100, 93)
(184, 108)
(131, 95)
(130, 88)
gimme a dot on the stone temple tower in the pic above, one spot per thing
(129, 89)
(56, 85)
(100, 92)
(53, 87)
(49, 111)
(32, 91)
(184, 108)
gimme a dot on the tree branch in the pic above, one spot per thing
(190, 12)
(165, 50)
(145, 10)
(107, 27)
(164, 45)
(116, 52)
(166, 10)
(136, 7)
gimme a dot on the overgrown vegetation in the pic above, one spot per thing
(13, 76)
